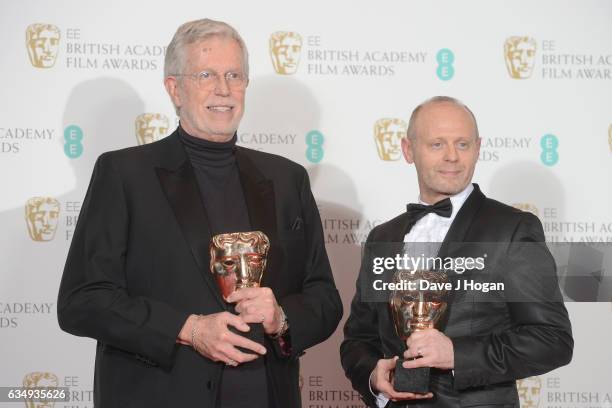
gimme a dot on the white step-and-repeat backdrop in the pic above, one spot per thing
(332, 86)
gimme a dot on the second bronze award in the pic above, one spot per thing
(416, 310)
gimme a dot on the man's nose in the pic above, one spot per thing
(221, 86)
(451, 153)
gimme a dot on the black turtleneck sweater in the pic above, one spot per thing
(219, 181)
(217, 173)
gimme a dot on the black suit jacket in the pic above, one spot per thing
(495, 341)
(138, 266)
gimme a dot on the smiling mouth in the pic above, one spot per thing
(220, 108)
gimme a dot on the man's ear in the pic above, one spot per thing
(407, 149)
(172, 86)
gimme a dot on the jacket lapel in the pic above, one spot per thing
(463, 221)
(179, 183)
(455, 245)
(260, 202)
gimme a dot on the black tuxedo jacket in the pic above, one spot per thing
(138, 266)
(495, 341)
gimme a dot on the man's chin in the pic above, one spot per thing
(451, 190)
(223, 135)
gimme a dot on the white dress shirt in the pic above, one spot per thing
(430, 228)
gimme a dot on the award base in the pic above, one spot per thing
(256, 334)
(411, 379)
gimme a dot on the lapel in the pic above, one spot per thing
(397, 229)
(178, 181)
(260, 202)
(463, 221)
(453, 246)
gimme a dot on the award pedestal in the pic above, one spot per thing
(256, 333)
(411, 379)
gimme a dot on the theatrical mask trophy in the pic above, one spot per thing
(416, 310)
(238, 260)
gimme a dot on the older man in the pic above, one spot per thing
(488, 340)
(137, 277)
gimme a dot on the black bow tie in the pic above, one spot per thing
(443, 208)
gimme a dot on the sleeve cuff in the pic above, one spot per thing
(381, 398)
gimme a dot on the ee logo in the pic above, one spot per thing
(73, 135)
(549, 144)
(445, 58)
(314, 141)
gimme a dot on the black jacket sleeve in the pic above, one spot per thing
(93, 297)
(315, 312)
(361, 348)
(540, 336)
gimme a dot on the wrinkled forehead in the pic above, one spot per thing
(439, 118)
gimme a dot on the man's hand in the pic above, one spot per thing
(435, 348)
(215, 341)
(258, 305)
(381, 380)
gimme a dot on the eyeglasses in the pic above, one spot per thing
(208, 80)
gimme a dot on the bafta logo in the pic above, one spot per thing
(388, 134)
(42, 215)
(527, 208)
(529, 391)
(520, 53)
(151, 127)
(285, 49)
(42, 42)
(40, 379)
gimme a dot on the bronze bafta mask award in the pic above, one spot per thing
(418, 307)
(238, 260)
